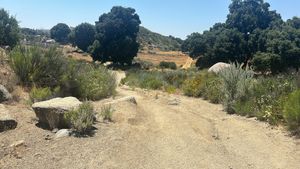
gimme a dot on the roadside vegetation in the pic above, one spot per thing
(270, 98)
(48, 74)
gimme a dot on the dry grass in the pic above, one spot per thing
(158, 56)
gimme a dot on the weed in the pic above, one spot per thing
(81, 119)
(107, 112)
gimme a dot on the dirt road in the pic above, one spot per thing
(156, 135)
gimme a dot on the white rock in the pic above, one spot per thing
(174, 102)
(216, 68)
(51, 112)
(6, 121)
(62, 133)
(18, 143)
(4, 94)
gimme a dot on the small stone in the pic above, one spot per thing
(18, 143)
(6, 120)
(174, 102)
(4, 94)
(62, 133)
(55, 130)
(37, 154)
(47, 137)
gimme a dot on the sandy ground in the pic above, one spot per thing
(153, 135)
(173, 56)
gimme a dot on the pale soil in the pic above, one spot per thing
(154, 135)
(177, 57)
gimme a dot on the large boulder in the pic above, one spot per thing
(6, 121)
(51, 112)
(4, 94)
(216, 68)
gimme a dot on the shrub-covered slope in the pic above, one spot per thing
(151, 40)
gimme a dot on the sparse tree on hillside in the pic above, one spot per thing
(116, 34)
(84, 36)
(9, 29)
(60, 33)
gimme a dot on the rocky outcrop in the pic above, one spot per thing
(6, 120)
(216, 68)
(4, 94)
(51, 112)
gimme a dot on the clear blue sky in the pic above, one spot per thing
(168, 17)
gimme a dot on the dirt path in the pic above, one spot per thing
(155, 135)
(197, 134)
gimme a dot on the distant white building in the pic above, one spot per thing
(50, 41)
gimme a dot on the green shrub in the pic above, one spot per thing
(193, 87)
(203, 84)
(236, 85)
(265, 62)
(176, 78)
(170, 89)
(145, 65)
(93, 82)
(245, 108)
(38, 66)
(167, 65)
(292, 111)
(40, 94)
(144, 79)
(107, 112)
(81, 119)
(212, 89)
(151, 83)
(265, 100)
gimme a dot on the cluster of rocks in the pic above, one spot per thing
(50, 113)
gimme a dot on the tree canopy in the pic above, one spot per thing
(252, 34)
(116, 34)
(60, 33)
(9, 29)
(84, 36)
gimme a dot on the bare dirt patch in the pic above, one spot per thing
(156, 57)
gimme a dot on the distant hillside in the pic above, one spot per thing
(151, 40)
(148, 40)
